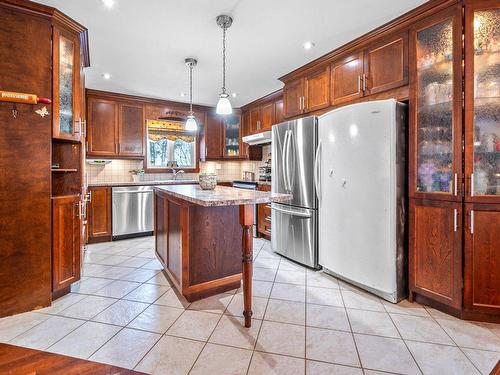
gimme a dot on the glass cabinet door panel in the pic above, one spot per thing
(435, 108)
(486, 160)
(232, 137)
(66, 66)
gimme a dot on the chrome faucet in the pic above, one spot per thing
(175, 173)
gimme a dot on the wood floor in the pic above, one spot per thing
(15, 360)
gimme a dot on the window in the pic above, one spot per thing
(170, 146)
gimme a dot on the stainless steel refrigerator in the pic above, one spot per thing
(295, 224)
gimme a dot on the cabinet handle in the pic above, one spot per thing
(303, 103)
(471, 221)
(455, 185)
(472, 184)
(359, 84)
(89, 196)
(79, 216)
(118, 147)
(84, 128)
(78, 126)
(455, 219)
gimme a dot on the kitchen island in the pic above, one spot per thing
(204, 238)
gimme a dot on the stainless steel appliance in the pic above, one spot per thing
(250, 185)
(132, 211)
(295, 224)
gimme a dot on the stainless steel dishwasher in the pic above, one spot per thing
(132, 211)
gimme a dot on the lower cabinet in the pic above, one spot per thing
(264, 215)
(66, 240)
(99, 214)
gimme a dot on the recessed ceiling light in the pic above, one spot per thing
(308, 45)
(108, 3)
(234, 95)
(106, 76)
(183, 94)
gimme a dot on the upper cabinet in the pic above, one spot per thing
(115, 128)
(347, 79)
(436, 107)
(482, 101)
(67, 86)
(293, 97)
(261, 115)
(231, 130)
(213, 137)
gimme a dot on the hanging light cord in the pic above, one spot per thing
(224, 60)
(191, 89)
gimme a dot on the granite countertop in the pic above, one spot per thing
(222, 195)
(165, 182)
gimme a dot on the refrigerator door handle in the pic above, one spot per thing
(290, 175)
(316, 171)
(289, 212)
(283, 161)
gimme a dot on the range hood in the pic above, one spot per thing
(258, 139)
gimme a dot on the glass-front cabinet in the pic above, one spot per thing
(231, 125)
(482, 98)
(66, 107)
(436, 108)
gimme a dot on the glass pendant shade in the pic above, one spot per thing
(224, 105)
(191, 124)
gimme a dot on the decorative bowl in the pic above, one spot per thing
(208, 181)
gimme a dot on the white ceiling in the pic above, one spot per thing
(143, 43)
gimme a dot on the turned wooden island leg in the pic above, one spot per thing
(246, 221)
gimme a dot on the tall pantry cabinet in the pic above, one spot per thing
(454, 143)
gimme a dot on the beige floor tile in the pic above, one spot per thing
(264, 274)
(113, 272)
(131, 251)
(47, 333)
(196, 325)
(330, 317)
(214, 304)
(216, 359)
(149, 253)
(419, 328)
(173, 299)
(85, 340)
(140, 275)
(286, 311)
(266, 261)
(385, 354)
(120, 313)
(321, 368)
(372, 323)
(117, 289)
(126, 348)
(89, 285)
(156, 318)
(331, 346)
(291, 277)
(231, 331)
(470, 335)
(405, 307)
(93, 269)
(172, 356)
(281, 338)
(260, 288)
(289, 265)
(113, 260)
(289, 292)
(484, 360)
(274, 364)
(436, 359)
(355, 299)
(13, 326)
(88, 307)
(159, 279)
(62, 303)
(135, 262)
(236, 306)
(147, 293)
(495, 328)
(320, 279)
(324, 296)
(153, 264)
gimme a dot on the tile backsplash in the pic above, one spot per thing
(118, 171)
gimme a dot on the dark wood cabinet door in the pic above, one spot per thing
(102, 127)
(279, 115)
(386, 64)
(435, 254)
(255, 120)
(161, 233)
(66, 257)
(482, 258)
(131, 130)
(346, 79)
(213, 137)
(317, 90)
(267, 116)
(293, 97)
(99, 214)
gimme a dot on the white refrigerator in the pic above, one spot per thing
(360, 181)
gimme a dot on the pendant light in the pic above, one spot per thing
(191, 124)
(224, 105)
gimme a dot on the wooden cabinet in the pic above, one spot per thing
(435, 253)
(293, 97)
(66, 256)
(317, 90)
(232, 145)
(264, 215)
(255, 120)
(213, 137)
(99, 214)
(279, 114)
(267, 116)
(346, 80)
(262, 114)
(482, 259)
(115, 128)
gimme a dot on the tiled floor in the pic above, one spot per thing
(123, 312)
